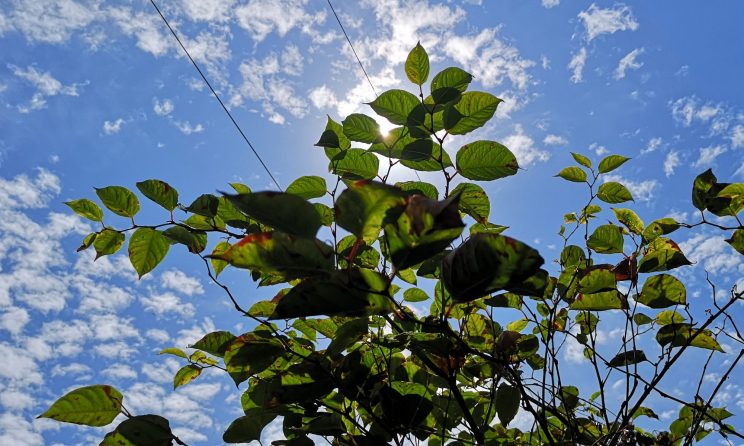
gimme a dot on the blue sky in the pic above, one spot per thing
(95, 94)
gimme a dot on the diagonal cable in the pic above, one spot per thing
(352, 48)
(204, 78)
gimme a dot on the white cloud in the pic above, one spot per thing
(187, 128)
(550, 3)
(577, 66)
(322, 97)
(628, 62)
(163, 108)
(179, 281)
(598, 21)
(146, 28)
(112, 127)
(671, 162)
(555, 140)
(708, 155)
(641, 190)
(208, 10)
(16, 430)
(713, 253)
(74, 368)
(48, 21)
(598, 149)
(523, 147)
(489, 59)
(120, 371)
(166, 303)
(24, 370)
(292, 60)
(737, 136)
(158, 335)
(45, 84)
(16, 401)
(688, 110)
(653, 144)
(263, 17)
(14, 319)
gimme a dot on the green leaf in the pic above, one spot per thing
(142, 430)
(205, 205)
(476, 109)
(240, 188)
(729, 200)
(486, 161)
(658, 228)
(424, 229)
(277, 252)
(364, 206)
(217, 264)
(215, 343)
(606, 300)
(119, 200)
(452, 77)
(392, 144)
(147, 248)
(606, 239)
(87, 241)
(581, 159)
(701, 188)
(86, 209)
(248, 427)
(395, 105)
(186, 374)
(160, 192)
(355, 292)
(507, 403)
(332, 139)
(195, 241)
(629, 219)
(662, 291)
(518, 325)
(173, 351)
(420, 188)
(108, 242)
(737, 240)
(251, 353)
(572, 255)
(679, 335)
(614, 192)
(487, 263)
(669, 317)
(432, 164)
(642, 319)
(347, 335)
(90, 405)
(662, 255)
(628, 358)
(279, 210)
(417, 65)
(611, 162)
(599, 278)
(308, 187)
(572, 173)
(355, 164)
(473, 201)
(362, 128)
(415, 295)
(418, 150)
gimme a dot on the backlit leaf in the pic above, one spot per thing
(417, 65)
(415, 295)
(173, 351)
(473, 201)
(658, 228)
(662, 291)
(486, 161)
(186, 374)
(355, 164)
(737, 240)
(160, 192)
(86, 209)
(205, 205)
(678, 335)
(308, 187)
(606, 239)
(419, 187)
(195, 241)
(217, 264)
(395, 105)
(279, 210)
(119, 200)
(662, 255)
(147, 248)
(487, 263)
(629, 219)
(91, 405)
(248, 427)
(214, 343)
(277, 252)
(614, 192)
(581, 159)
(451, 77)
(476, 109)
(701, 188)
(573, 173)
(606, 300)
(363, 207)
(611, 162)
(362, 128)
(108, 242)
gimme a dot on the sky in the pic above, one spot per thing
(96, 93)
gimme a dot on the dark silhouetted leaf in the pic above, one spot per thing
(279, 210)
(142, 430)
(678, 335)
(248, 427)
(662, 255)
(628, 358)
(737, 240)
(364, 206)
(507, 403)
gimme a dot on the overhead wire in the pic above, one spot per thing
(217, 96)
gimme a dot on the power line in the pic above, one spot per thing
(352, 48)
(237, 126)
